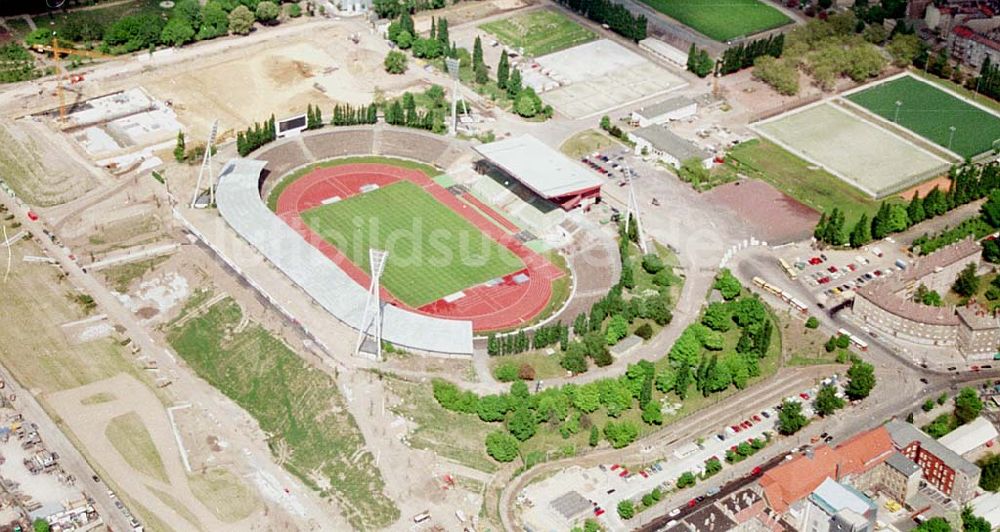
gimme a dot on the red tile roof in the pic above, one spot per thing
(797, 478)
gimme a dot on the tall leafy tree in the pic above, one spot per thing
(862, 232)
(503, 70)
(861, 380)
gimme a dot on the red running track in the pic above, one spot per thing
(502, 306)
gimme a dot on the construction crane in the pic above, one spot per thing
(56, 52)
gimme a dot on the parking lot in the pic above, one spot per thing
(831, 276)
(578, 493)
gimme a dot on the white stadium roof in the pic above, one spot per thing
(241, 206)
(545, 171)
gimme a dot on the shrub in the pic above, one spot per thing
(501, 446)
(506, 372)
(644, 331)
(526, 372)
(652, 263)
(812, 322)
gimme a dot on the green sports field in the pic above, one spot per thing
(722, 20)
(539, 32)
(433, 251)
(930, 112)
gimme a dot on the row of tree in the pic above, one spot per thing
(256, 136)
(349, 115)
(616, 16)
(520, 341)
(969, 183)
(743, 55)
(314, 117)
(699, 62)
(188, 21)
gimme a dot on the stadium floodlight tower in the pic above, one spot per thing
(633, 209)
(453, 69)
(206, 168)
(372, 317)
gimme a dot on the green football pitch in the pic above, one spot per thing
(722, 20)
(539, 32)
(930, 113)
(433, 251)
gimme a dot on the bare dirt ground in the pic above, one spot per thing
(941, 182)
(775, 217)
(88, 423)
(244, 86)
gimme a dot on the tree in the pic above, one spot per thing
(862, 232)
(179, 149)
(989, 479)
(617, 329)
(404, 40)
(177, 32)
(501, 446)
(967, 405)
(395, 62)
(214, 21)
(991, 208)
(967, 283)
(827, 402)
(934, 524)
(595, 436)
(727, 285)
(812, 323)
(626, 510)
(974, 523)
(503, 70)
(620, 434)
(685, 480)
(525, 105)
(522, 423)
(791, 419)
(267, 11)
(514, 84)
(40, 525)
(928, 405)
(861, 380)
(574, 359)
(904, 48)
(780, 75)
(652, 414)
(241, 20)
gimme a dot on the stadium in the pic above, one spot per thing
(457, 267)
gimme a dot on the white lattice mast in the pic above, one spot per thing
(206, 168)
(456, 95)
(633, 209)
(373, 308)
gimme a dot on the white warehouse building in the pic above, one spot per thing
(660, 142)
(676, 108)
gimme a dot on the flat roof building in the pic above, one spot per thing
(666, 146)
(971, 436)
(545, 171)
(676, 108)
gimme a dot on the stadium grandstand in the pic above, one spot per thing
(543, 170)
(241, 206)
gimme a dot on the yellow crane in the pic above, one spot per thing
(56, 52)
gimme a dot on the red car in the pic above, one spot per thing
(756, 418)
(692, 503)
(746, 424)
(756, 471)
(832, 269)
(852, 267)
(815, 260)
(824, 280)
(598, 511)
(644, 474)
(624, 473)
(804, 396)
(616, 466)
(32, 216)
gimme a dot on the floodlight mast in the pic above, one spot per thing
(453, 66)
(372, 317)
(206, 168)
(633, 209)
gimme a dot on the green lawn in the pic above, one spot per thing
(299, 407)
(815, 188)
(930, 113)
(722, 21)
(433, 251)
(539, 32)
(99, 18)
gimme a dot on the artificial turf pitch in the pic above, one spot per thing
(433, 251)
(930, 112)
(722, 21)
